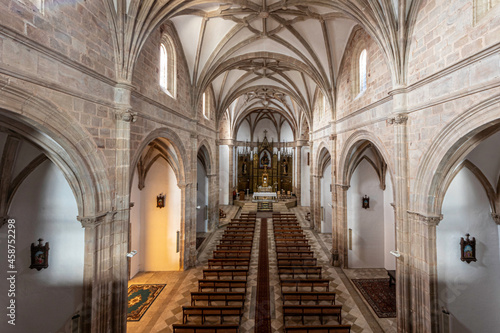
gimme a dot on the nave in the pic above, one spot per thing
(167, 310)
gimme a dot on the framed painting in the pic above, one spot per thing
(468, 249)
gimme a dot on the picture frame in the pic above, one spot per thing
(468, 249)
(160, 200)
(39, 255)
(365, 202)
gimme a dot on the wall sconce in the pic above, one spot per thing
(160, 200)
(39, 255)
(131, 254)
(366, 202)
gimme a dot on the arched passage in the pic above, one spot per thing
(325, 190)
(452, 171)
(368, 232)
(202, 190)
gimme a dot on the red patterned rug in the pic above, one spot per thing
(380, 296)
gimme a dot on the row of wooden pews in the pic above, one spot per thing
(304, 291)
(222, 289)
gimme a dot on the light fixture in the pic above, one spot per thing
(366, 202)
(131, 254)
(160, 200)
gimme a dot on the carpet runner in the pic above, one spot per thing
(379, 294)
(262, 306)
(140, 297)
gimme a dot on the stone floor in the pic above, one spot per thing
(167, 308)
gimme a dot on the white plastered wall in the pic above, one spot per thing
(44, 207)
(201, 199)
(305, 178)
(224, 174)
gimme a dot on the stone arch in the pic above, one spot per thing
(66, 144)
(447, 151)
(204, 148)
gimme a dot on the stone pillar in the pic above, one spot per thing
(341, 232)
(335, 238)
(298, 170)
(187, 244)
(116, 234)
(231, 184)
(100, 291)
(312, 205)
(401, 181)
(423, 269)
(213, 202)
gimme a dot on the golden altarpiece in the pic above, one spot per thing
(265, 168)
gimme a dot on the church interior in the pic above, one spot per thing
(250, 166)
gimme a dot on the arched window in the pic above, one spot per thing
(167, 66)
(362, 71)
(359, 71)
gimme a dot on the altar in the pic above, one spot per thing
(265, 196)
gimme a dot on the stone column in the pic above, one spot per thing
(401, 181)
(187, 244)
(335, 239)
(341, 232)
(312, 202)
(423, 268)
(213, 202)
(298, 170)
(116, 237)
(100, 291)
(231, 184)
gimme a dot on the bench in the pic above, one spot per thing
(305, 283)
(297, 261)
(237, 238)
(300, 270)
(222, 247)
(318, 329)
(306, 296)
(221, 284)
(225, 297)
(290, 241)
(392, 277)
(218, 254)
(223, 263)
(287, 226)
(313, 310)
(224, 241)
(288, 231)
(289, 236)
(190, 328)
(296, 253)
(237, 233)
(291, 246)
(206, 311)
(231, 273)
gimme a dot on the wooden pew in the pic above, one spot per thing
(278, 235)
(313, 310)
(225, 241)
(291, 241)
(237, 238)
(305, 283)
(309, 296)
(291, 246)
(318, 329)
(228, 263)
(219, 254)
(297, 262)
(220, 296)
(192, 328)
(210, 311)
(240, 228)
(234, 247)
(296, 253)
(215, 285)
(237, 233)
(300, 270)
(239, 273)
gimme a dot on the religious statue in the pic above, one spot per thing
(284, 164)
(264, 160)
(244, 167)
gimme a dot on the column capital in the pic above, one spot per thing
(398, 119)
(93, 221)
(183, 185)
(342, 187)
(496, 218)
(430, 220)
(127, 115)
(333, 137)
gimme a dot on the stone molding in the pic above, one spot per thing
(94, 221)
(332, 137)
(496, 218)
(127, 115)
(432, 220)
(399, 119)
(342, 187)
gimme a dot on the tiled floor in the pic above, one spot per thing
(167, 308)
